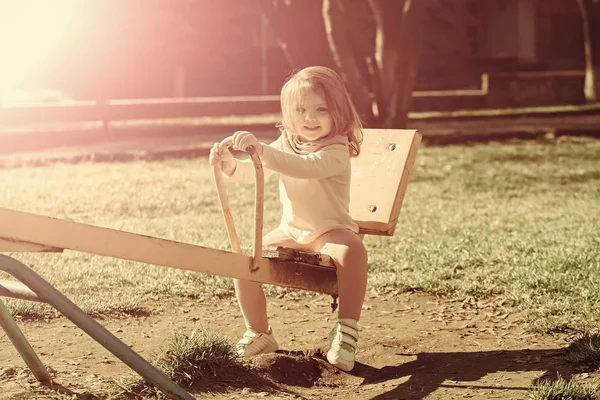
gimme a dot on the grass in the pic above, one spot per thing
(514, 220)
(585, 350)
(188, 361)
(561, 389)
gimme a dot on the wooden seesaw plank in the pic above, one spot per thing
(48, 232)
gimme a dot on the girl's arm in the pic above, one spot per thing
(329, 161)
(244, 171)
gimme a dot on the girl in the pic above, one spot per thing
(320, 132)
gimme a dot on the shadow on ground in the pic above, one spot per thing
(431, 371)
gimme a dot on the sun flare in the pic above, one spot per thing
(29, 32)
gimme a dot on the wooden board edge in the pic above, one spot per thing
(388, 229)
(406, 176)
(18, 246)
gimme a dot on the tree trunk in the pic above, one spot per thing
(351, 49)
(373, 44)
(399, 63)
(302, 40)
(590, 15)
(378, 55)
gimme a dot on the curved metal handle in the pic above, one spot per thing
(258, 206)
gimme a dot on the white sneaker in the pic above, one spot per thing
(253, 343)
(343, 339)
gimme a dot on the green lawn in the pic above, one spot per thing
(518, 220)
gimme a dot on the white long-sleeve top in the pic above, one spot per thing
(314, 189)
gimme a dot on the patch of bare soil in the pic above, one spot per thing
(412, 346)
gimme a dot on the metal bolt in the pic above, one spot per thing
(392, 146)
(372, 208)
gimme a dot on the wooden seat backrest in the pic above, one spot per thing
(380, 175)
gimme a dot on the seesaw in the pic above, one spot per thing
(380, 176)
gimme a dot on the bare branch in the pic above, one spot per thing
(379, 35)
(326, 13)
(589, 87)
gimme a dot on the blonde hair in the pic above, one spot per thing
(346, 121)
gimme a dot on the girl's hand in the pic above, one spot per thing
(221, 157)
(243, 139)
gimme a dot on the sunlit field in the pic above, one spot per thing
(30, 32)
(520, 222)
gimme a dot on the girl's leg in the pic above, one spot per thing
(350, 256)
(348, 252)
(250, 295)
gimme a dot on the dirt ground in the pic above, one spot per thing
(412, 346)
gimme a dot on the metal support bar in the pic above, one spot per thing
(50, 295)
(18, 291)
(22, 345)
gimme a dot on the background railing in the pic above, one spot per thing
(494, 97)
(123, 110)
(171, 108)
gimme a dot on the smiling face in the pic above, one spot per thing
(315, 104)
(312, 118)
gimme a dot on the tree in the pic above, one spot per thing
(373, 44)
(590, 15)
